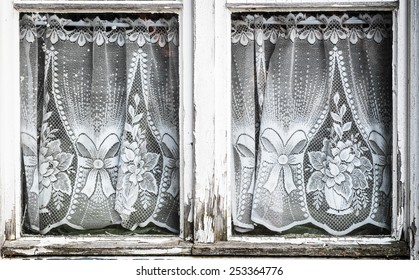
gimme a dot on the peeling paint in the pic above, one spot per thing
(369, 247)
(188, 219)
(414, 236)
(10, 230)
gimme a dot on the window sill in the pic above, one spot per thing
(389, 250)
(95, 246)
(171, 246)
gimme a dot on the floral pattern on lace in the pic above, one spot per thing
(340, 169)
(54, 165)
(137, 166)
(292, 26)
(140, 31)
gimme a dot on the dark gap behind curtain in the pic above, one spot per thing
(100, 127)
(312, 123)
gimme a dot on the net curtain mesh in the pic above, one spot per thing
(311, 121)
(99, 128)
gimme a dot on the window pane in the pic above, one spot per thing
(100, 127)
(312, 121)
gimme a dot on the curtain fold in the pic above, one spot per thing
(100, 104)
(311, 121)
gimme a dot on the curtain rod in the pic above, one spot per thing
(106, 24)
(313, 21)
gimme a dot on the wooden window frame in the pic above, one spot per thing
(205, 115)
(213, 113)
(16, 242)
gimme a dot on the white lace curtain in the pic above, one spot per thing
(312, 121)
(99, 128)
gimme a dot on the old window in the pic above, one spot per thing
(312, 121)
(100, 121)
(210, 144)
(105, 112)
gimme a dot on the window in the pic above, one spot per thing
(90, 45)
(312, 121)
(100, 121)
(207, 205)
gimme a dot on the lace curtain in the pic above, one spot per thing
(99, 128)
(312, 121)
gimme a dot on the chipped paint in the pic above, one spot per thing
(100, 6)
(413, 195)
(346, 241)
(205, 197)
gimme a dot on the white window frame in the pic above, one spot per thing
(205, 118)
(10, 165)
(213, 121)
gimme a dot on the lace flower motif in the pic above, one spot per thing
(242, 33)
(55, 29)
(334, 30)
(138, 165)
(377, 29)
(81, 36)
(340, 168)
(28, 29)
(53, 164)
(140, 33)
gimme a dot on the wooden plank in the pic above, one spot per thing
(77, 247)
(73, 247)
(222, 170)
(413, 222)
(205, 197)
(97, 6)
(400, 171)
(395, 250)
(186, 120)
(293, 2)
(9, 122)
(304, 5)
(212, 118)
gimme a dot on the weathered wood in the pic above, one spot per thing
(400, 154)
(73, 247)
(209, 216)
(186, 120)
(413, 221)
(211, 103)
(316, 5)
(395, 250)
(300, 2)
(222, 168)
(102, 6)
(100, 246)
(10, 174)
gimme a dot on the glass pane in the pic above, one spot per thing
(312, 122)
(100, 127)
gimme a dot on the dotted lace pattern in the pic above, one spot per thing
(311, 122)
(100, 127)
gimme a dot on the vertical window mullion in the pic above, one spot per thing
(186, 120)
(211, 121)
(10, 176)
(413, 220)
